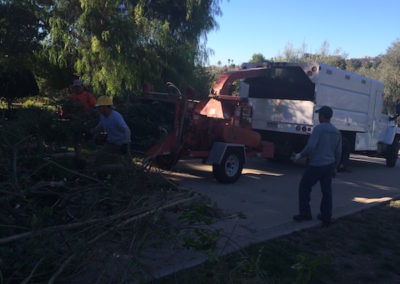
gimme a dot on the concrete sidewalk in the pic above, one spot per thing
(266, 195)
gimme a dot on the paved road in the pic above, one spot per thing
(266, 194)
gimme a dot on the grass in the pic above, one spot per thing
(37, 102)
(361, 248)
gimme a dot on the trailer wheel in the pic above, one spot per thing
(344, 160)
(392, 153)
(230, 168)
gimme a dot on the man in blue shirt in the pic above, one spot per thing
(112, 122)
(324, 149)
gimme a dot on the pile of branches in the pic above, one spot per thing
(55, 222)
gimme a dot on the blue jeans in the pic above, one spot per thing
(311, 176)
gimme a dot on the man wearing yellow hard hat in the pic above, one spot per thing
(112, 122)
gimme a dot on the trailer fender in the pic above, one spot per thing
(218, 150)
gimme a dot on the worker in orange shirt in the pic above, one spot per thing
(83, 98)
(79, 110)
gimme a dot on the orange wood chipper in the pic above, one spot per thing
(216, 130)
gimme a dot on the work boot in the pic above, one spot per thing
(325, 222)
(301, 218)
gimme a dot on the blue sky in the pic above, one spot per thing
(358, 27)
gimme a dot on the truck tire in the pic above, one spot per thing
(392, 153)
(344, 160)
(230, 168)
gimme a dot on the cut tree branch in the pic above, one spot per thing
(61, 269)
(27, 279)
(137, 214)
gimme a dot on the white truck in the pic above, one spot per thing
(284, 97)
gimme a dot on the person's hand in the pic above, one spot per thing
(295, 157)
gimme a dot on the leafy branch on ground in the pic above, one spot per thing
(58, 223)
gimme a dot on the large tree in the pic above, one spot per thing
(21, 31)
(117, 45)
(257, 57)
(389, 71)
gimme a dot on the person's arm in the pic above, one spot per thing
(311, 144)
(99, 127)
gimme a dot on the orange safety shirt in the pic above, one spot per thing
(85, 99)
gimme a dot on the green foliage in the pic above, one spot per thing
(115, 46)
(201, 237)
(257, 57)
(33, 122)
(335, 60)
(21, 32)
(307, 267)
(202, 240)
(199, 213)
(353, 64)
(22, 29)
(17, 84)
(118, 46)
(40, 191)
(202, 82)
(389, 71)
(323, 55)
(51, 77)
(146, 119)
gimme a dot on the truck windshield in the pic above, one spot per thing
(288, 82)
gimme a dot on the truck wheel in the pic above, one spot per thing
(392, 153)
(230, 168)
(344, 160)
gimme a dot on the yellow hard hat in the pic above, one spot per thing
(104, 101)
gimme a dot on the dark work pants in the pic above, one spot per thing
(311, 176)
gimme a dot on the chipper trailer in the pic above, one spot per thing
(217, 130)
